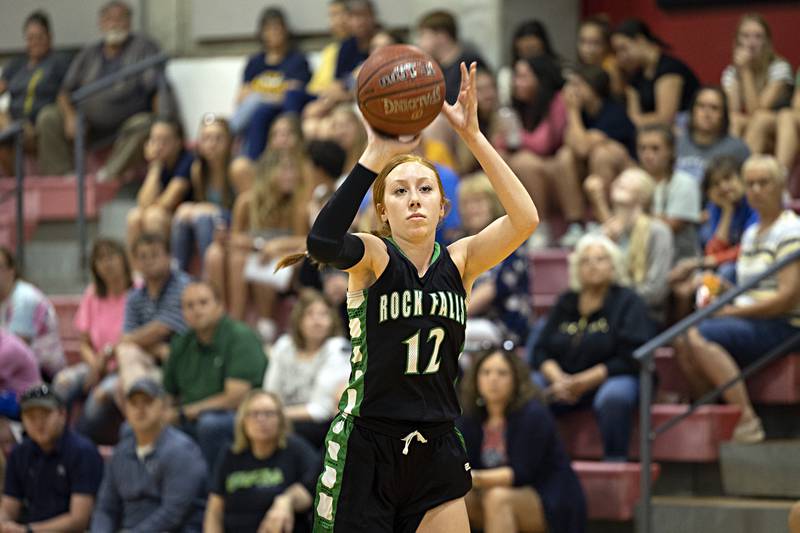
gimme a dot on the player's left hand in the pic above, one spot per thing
(463, 115)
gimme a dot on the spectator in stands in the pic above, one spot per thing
(122, 112)
(522, 479)
(594, 49)
(728, 216)
(156, 478)
(99, 320)
(168, 181)
(536, 134)
(274, 82)
(530, 40)
(762, 318)
(347, 130)
(152, 311)
(323, 76)
(242, 497)
(599, 138)
(758, 83)
(707, 136)
(52, 477)
(269, 221)
(645, 241)
(659, 86)
(584, 354)
(27, 313)
(361, 25)
(501, 295)
(19, 371)
(309, 366)
(488, 104)
(210, 369)
(32, 81)
(676, 198)
(212, 193)
(788, 127)
(437, 34)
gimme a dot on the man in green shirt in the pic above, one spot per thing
(210, 369)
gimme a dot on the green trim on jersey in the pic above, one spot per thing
(436, 250)
(352, 397)
(329, 484)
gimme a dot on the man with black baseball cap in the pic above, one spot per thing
(53, 475)
(156, 479)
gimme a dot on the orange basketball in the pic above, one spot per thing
(400, 90)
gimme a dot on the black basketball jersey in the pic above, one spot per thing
(407, 333)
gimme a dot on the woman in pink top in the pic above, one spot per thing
(99, 320)
(532, 134)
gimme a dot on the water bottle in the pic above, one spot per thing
(511, 128)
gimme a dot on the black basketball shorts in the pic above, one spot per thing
(382, 477)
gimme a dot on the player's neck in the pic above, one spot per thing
(419, 253)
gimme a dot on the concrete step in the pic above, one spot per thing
(52, 258)
(695, 439)
(719, 515)
(769, 469)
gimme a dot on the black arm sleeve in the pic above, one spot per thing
(328, 241)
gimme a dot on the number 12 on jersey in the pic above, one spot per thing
(412, 357)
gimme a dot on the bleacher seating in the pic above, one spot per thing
(612, 489)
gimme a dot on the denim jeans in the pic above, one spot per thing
(253, 119)
(614, 403)
(187, 233)
(213, 431)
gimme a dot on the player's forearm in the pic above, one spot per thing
(513, 196)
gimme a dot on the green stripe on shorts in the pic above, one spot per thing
(329, 484)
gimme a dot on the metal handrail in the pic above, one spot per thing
(16, 130)
(644, 354)
(79, 96)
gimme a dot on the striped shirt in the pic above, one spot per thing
(778, 70)
(759, 252)
(140, 309)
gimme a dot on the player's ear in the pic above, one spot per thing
(382, 213)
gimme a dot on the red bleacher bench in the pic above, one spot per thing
(611, 489)
(695, 439)
(549, 277)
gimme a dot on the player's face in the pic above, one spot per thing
(525, 82)
(262, 419)
(594, 267)
(707, 112)
(654, 152)
(495, 380)
(475, 211)
(315, 324)
(591, 48)
(412, 201)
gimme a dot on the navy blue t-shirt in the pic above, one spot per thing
(612, 119)
(44, 482)
(350, 56)
(182, 169)
(271, 78)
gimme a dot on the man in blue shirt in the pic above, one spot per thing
(156, 479)
(53, 475)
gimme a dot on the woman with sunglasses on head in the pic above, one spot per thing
(212, 193)
(407, 308)
(263, 483)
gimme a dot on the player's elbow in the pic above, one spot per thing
(323, 250)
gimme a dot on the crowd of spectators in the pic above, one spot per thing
(216, 377)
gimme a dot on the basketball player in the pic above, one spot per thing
(393, 460)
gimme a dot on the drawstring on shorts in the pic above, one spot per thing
(410, 437)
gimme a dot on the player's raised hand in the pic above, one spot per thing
(381, 149)
(463, 115)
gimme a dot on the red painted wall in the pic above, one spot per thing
(703, 37)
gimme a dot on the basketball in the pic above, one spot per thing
(400, 90)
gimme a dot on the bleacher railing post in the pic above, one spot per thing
(80, 171)
(19, 170)
(645, 441)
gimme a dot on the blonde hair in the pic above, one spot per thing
(613, 251)
(379, 187)
(767, 163)
(268, 208)
(360, 142)
(478, 184)
(241, 442)
(646, 184)
(768, 54)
